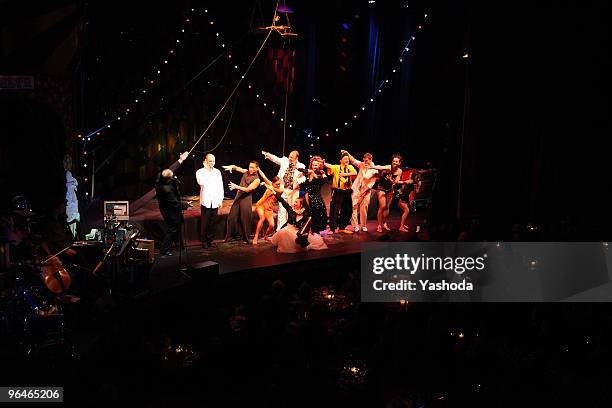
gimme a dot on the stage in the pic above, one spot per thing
(241, 262)
(246, 264)
(149, 220)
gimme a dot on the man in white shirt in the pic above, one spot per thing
(211, 197)
(362, 190)
(291, 178)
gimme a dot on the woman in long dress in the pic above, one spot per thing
(315, 179)
(295, 235)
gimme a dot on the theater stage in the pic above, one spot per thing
(238, 261)
(246, 265)
(153, 226)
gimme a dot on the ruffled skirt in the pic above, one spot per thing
(284, 240)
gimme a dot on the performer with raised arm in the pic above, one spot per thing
(265, 206)
(169, 200)
(315, 178)
(388, 177)
(151, 194)
(291, 178)
(343, 175)
(241, 211)
(211, 197)
(362, 190)
(170, 206)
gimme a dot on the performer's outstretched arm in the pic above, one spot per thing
(351, 158)
(271, 157)
(254, 184)
(375, 167)
(180, 161)
(267, 182)
(284, 202)
(136, 205)
(263, 176)
(233, 167)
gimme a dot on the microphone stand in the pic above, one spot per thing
(182, 244)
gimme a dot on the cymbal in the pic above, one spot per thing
(24, 213)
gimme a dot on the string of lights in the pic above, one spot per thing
(277, 112)
(258, 94)
(153, 80)
(237, 67)
(385, 83)
(149, 83)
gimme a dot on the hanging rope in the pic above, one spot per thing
(286, 99)
(232, 93)
(227, 127)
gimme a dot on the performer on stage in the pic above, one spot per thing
(169, 200)
(388, 177)
(294, 235)
(402, 192)
(362, 190)
(72, 203)
(242, 207)
(57, 236)
(151, 194)
(291, 178)
(265, 206)
(340, 209)
(315, 179)
(211, 198)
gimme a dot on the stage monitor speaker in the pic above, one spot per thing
(207, 270)
(383, 238)
(149, 245)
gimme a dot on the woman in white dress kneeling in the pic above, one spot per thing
(295, 235)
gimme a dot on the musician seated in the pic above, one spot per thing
(55, 237)
(55, 232)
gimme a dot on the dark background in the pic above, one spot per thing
(528, 109)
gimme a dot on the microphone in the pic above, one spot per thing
(318, 102)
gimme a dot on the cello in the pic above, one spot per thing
(55, 277)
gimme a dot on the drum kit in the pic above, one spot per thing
(35, 290)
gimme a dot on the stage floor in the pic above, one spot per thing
(249, 263)
(238, 256)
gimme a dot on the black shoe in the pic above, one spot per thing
(211, 244)
(166, 254)
(205, 245)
